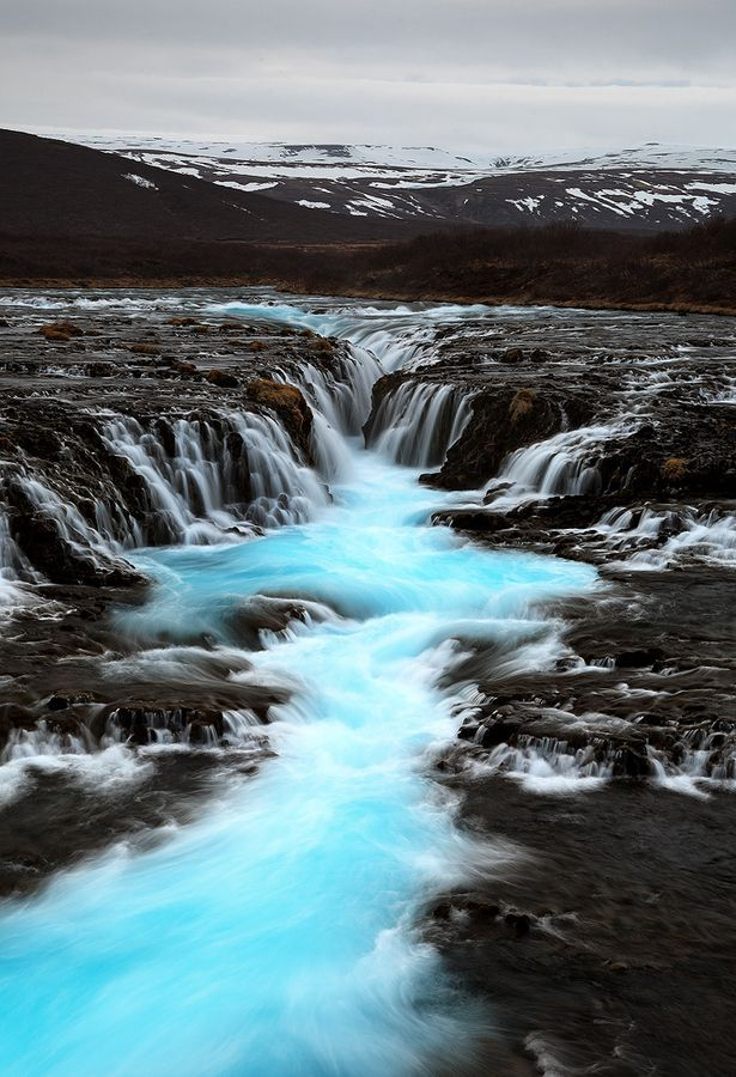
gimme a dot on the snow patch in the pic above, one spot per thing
(140, 181)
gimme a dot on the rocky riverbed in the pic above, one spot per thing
(609, 766)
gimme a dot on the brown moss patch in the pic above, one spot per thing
(674, 469)
(145, 349)
(322, 346)
(61, 331)
(522, 404)
(274, 394)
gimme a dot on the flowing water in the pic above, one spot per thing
(277, 936)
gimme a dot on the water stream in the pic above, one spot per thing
(277, 936)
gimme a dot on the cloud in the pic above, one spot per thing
(466, 73)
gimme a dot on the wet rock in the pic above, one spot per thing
(223, 379)
(511, 355)
(522, 404)
(185, 369)
(674, 470)
(58, 703)
(498, 729)
(636, 659)
(14, 716)
(503, 420)
(519, 923)
(288, 402)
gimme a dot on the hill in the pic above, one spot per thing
(54, 188)
(644, 188)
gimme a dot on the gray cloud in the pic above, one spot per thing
(466, 73)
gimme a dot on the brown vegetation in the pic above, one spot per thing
(61, 332)
(693, 270)
(522, 404)
(674, 470)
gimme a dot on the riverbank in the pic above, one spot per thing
(693, 271)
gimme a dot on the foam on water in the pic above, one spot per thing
(275, 937)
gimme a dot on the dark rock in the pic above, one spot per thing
(223, 379)
(519, 923)
(636, 659)
(511, 355)
(58, 703)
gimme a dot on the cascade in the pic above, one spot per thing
(557, 466)
(210, 477)
(417, 423)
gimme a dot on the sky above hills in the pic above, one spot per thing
(473, 75)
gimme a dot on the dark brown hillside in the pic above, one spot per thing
(53, 188)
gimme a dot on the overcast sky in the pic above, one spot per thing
(476, 75)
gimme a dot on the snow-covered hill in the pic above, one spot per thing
(649, 186)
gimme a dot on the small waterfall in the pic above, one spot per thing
(340, 400)
(284, 490)
(344, 400)
(204, 477)
(704, 758)
(393, 350)
(558, 466)
(29, 744)
(548, 765)
(74, 532)
(13, 565)
(655, 538)
(340, 393)
(416, 424)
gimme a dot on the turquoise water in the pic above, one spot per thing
(275, 937)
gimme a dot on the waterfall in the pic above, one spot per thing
(12, 563)
(85, 542)
(208, 476)
(14, 567)
(558, 466)
(344, 400)
(418, 422)
(658, 537)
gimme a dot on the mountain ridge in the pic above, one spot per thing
(649, 187)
